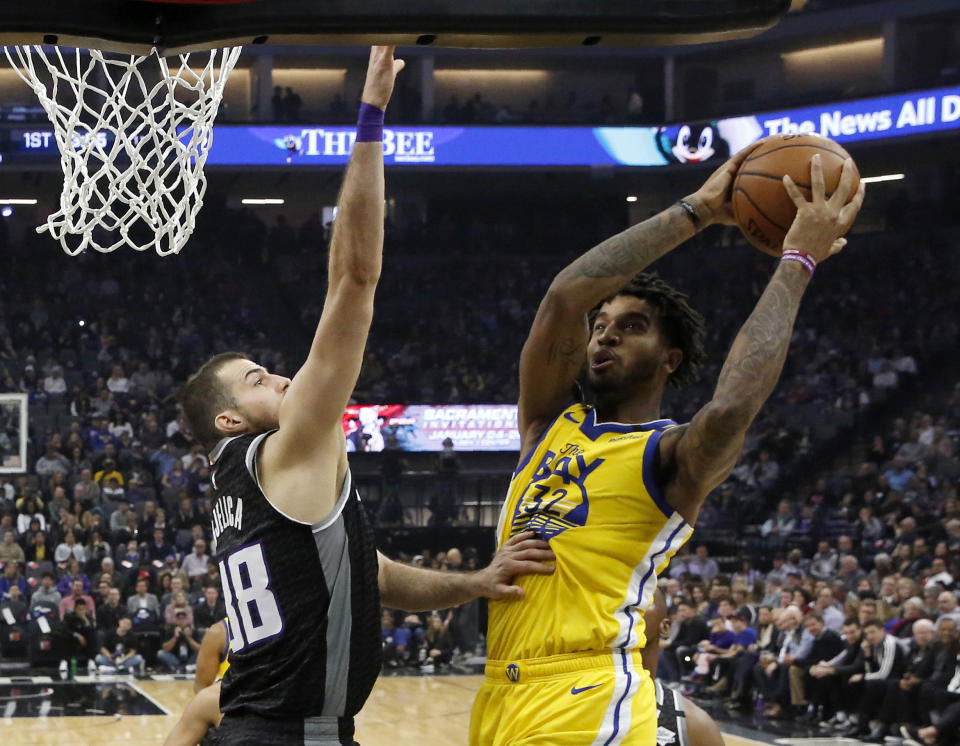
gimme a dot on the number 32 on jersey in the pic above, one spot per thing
(556, 497)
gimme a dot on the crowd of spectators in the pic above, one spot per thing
(101, 597)
(857, 634)
(863, 660)
(115, 504)
(853, 628)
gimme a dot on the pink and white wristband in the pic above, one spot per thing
(800, 257)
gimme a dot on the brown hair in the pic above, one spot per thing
(204, 396)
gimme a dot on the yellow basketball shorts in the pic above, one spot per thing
(582, 699)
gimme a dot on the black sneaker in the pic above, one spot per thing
(852, 731)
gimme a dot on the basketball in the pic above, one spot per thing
(763, 209)
(466, 257)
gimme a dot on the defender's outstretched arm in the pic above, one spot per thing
(416, 589)
(314, 403)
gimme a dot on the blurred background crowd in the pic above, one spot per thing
(821, 585)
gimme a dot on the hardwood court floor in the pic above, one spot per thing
(401, 711)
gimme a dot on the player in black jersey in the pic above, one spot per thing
(301, 577)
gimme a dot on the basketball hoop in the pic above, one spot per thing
(133, 134)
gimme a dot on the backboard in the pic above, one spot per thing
(13, 433)
(133, 26)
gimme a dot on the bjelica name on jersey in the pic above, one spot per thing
(228, 511)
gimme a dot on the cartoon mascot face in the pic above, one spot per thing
(687, 151)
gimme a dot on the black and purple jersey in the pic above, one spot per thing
(302, 599)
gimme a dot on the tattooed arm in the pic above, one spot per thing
(697, 457)
(554, 351)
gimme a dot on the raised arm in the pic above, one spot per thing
(555, 348)
(700, 455)
(314, 403)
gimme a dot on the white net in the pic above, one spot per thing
(133, 134)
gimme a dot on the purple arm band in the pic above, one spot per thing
(370, 123)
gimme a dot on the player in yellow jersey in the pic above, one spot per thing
(203, 711)
(613, 486)
(200, 714)
(213, 659)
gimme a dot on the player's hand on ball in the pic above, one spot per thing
(521, 555)
(712, 201)
(821, 222)
(381, 73)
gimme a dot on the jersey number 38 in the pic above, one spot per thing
(251, 605)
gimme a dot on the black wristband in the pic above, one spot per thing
(691, 212)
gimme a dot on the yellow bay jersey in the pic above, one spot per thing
(225, 653)
(591, 490)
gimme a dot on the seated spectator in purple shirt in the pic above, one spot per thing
(11, 577)
(808, 522)
(720, 636)
(394, 639)
(65, 585)
(720, 640)
(744, 635)
(99, 435)
(176, 479)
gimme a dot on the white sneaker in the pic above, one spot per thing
(838, 716)
(842, 721)
(64, 669)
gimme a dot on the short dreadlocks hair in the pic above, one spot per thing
(682, 326)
